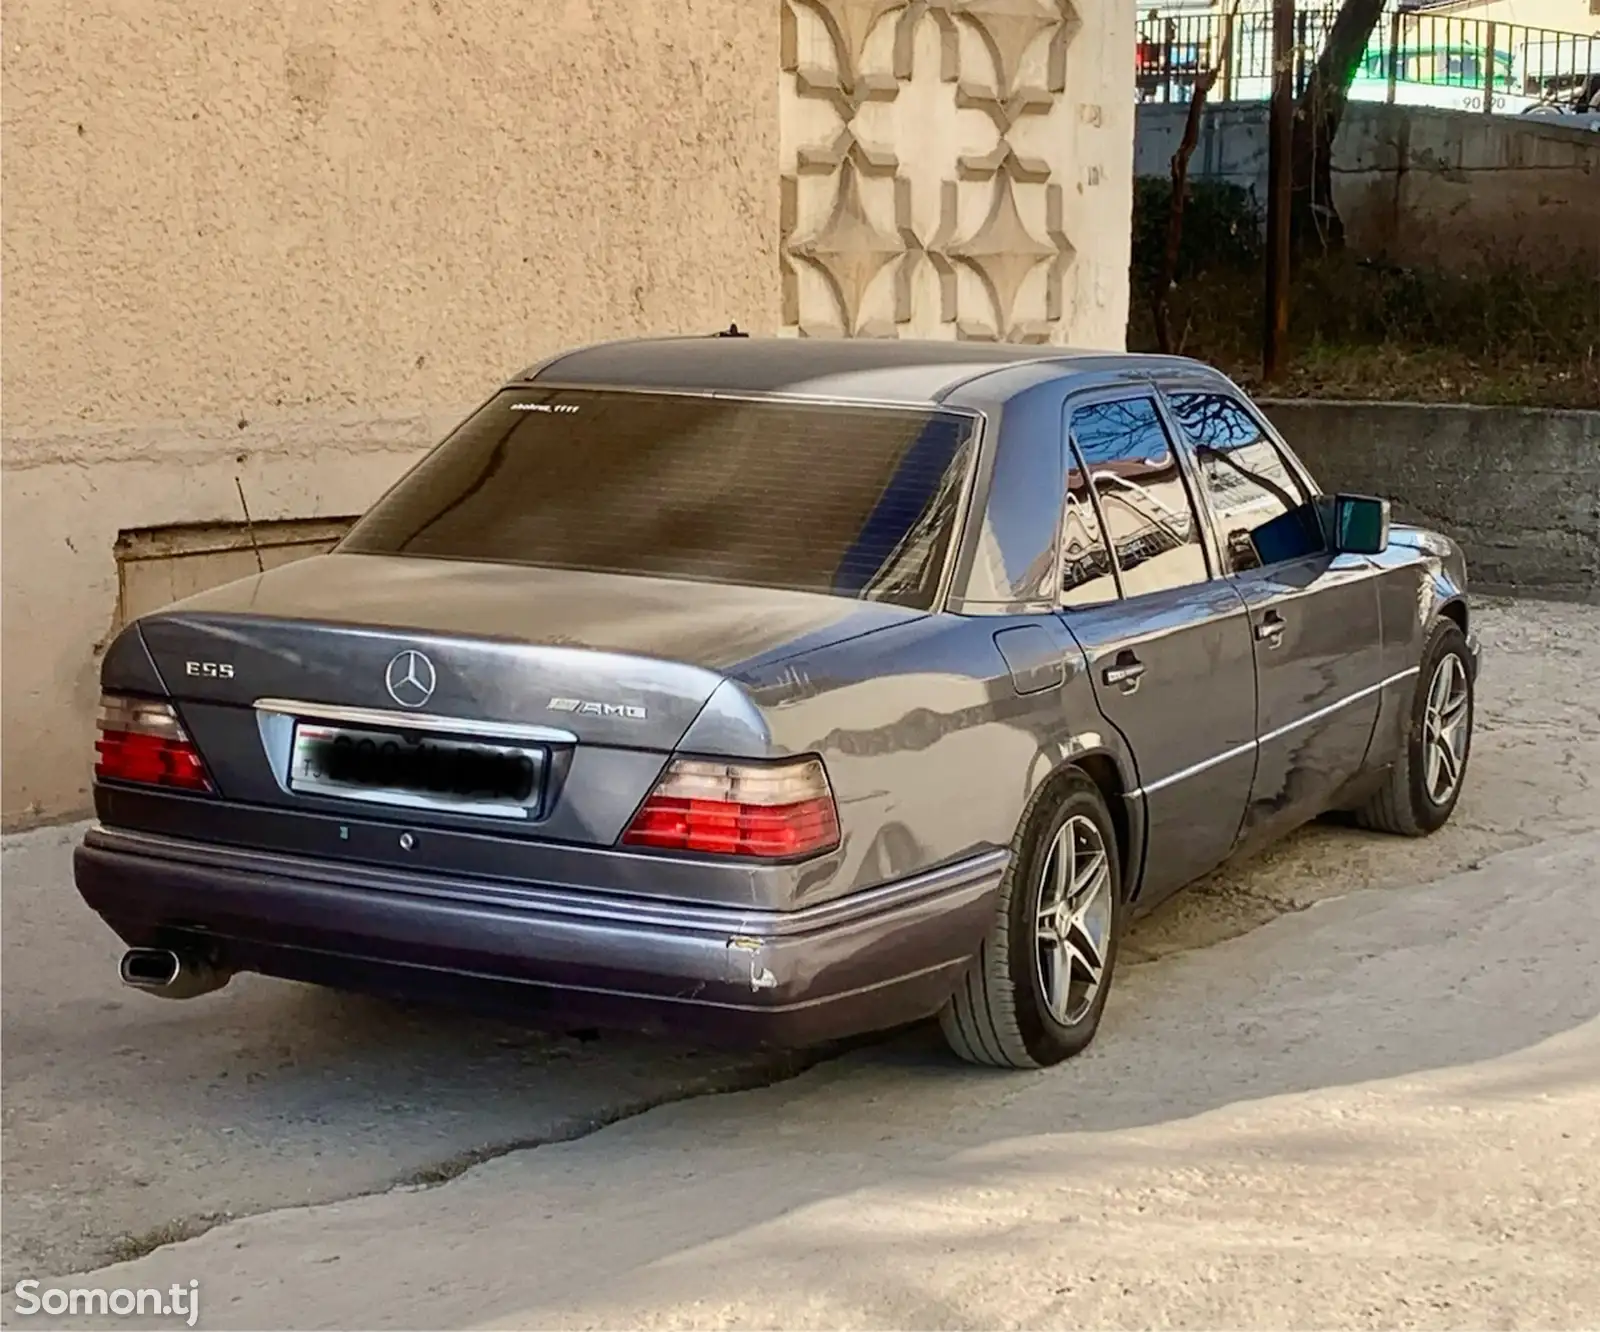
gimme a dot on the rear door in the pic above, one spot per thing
(1314, 615)
(1169, 646)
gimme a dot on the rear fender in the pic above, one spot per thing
(933, 753)
(1106, 763)
(128, 668)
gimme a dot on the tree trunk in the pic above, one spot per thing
(1160, 305)
(1315, 222)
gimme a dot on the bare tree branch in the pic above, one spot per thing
(1166, 278)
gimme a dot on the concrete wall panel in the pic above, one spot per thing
(1421, 186)
(1520, 489)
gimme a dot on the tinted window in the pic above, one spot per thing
(1248, 483)
(858, 502)
(1087, 577)
(1143, 500)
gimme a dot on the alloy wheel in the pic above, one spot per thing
(1444, 729)
(1074, 920)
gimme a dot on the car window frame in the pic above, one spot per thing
(1071, 457)
(1167, 389)
(1168, 385)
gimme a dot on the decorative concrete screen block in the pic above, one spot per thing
(159, 565)
(955, 169)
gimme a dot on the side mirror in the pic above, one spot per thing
(1356, 524)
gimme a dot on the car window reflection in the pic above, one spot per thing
(1087, 577)
(1143, 502)
(1247, 480)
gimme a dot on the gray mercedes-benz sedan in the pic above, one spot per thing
(780, 690)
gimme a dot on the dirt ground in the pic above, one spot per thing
(1374, 1092)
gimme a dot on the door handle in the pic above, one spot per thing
(1124, 675)
(1269, 629)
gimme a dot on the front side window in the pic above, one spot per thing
(1133, 471)
(858, 502)
(1259, 503)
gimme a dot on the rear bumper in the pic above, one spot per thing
(866, 962)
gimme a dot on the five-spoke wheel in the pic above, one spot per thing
(1075, 915)
(1034, 994)
(1421, 788)
(1445, 728)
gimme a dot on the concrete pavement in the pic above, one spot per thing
(130, 1121)
(1381, 1112)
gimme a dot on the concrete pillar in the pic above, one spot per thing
(957, 169)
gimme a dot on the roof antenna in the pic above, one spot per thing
(249, 526)
(732, 331)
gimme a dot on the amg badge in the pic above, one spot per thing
(586, 708)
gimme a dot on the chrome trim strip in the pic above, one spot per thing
(599, 906)
(979, 444)
(414, 721)
(1194, 770)
(782, 397)
(1332, 708)
(1205, 765)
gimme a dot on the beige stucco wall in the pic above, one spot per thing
(289, 243)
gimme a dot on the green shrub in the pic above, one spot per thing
(1221, 229)
(1361, 327)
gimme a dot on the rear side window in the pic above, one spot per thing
(1088, 577)
(1144, 504)
(860, 502)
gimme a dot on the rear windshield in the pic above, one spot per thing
(859, 502)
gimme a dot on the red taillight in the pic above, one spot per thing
(771, 811)
(143, 741)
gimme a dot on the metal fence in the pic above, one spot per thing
(1414, 58)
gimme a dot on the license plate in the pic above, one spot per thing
(417, 771)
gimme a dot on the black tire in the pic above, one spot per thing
(999, 1015)
(1404, 805)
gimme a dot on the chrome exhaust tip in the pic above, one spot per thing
(169, 974)
(150, 968)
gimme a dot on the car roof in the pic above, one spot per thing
(901, 370)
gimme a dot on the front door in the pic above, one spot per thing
(1169, 646)
(1314, 615)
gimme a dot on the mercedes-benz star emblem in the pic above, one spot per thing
(410, 679)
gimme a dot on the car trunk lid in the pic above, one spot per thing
(612, 659)
(596, 676)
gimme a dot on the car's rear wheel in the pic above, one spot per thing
(1425, 783)
(1034, 994)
